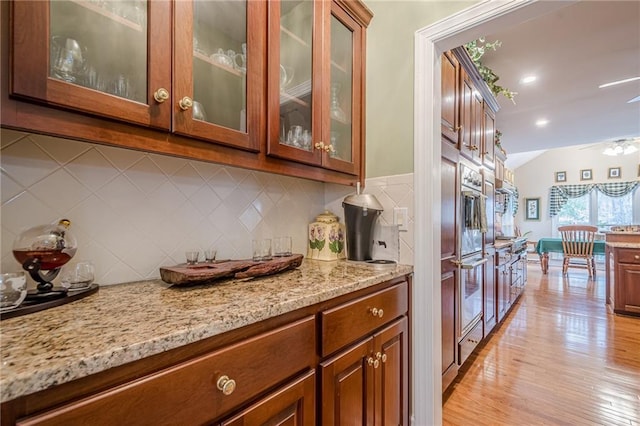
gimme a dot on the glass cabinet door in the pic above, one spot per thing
(343, 141)
(293, 99)
(96, 56)
(217, 71)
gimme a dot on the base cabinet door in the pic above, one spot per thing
(490, 299)
(392, 378)
(368, 384)
(347, 387)
(503, 279)
(292, 405)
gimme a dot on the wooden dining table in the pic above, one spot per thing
(554, 245)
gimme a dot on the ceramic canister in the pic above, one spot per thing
(326, 238)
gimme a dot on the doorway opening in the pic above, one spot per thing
(456, 30)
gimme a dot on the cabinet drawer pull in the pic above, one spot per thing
(455, 129)
(226, 385)
(636, 257)
(384, 357)
(185, 103)
(161, 95)
(377, 312)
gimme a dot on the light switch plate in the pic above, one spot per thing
(401, 218)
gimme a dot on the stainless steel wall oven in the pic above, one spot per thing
(471, 263)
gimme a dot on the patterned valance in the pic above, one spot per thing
(560, 194)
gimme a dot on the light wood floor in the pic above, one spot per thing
(559, 359)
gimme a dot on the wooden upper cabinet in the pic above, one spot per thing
(450, 88)
(316, 83)
(114, 59)
(107, 60)
(488, 138)
(218, 71)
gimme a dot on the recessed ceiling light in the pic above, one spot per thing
(542, 122)
(613, 83)
(528, 79)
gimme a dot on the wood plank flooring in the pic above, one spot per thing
(560, 358)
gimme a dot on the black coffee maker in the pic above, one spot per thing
(361, 213)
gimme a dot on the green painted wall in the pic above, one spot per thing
(390, 66)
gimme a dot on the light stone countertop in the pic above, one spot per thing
(127, 322)
(623, 245)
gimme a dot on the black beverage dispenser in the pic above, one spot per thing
(361, 212)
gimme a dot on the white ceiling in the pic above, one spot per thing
(572, 51)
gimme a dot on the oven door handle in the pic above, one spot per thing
(474, 264)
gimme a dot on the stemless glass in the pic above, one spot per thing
(78, 276)
(13, 290)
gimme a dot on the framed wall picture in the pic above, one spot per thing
(586, 174)
(614, 172)
(532, 208)
(561, 176)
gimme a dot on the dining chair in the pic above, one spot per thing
(577, 242)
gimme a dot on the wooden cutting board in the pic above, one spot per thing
(200, 273)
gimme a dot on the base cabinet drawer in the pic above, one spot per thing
(469, 342)
(200, 390)
(344, 324)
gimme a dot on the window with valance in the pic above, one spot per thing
(561, 193)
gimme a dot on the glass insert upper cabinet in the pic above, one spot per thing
(315, 87)
(110, 58)
(218, 65)
(116, 59)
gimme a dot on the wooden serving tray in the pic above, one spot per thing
(200, 273)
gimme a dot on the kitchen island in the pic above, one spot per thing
(623, 272)
(132, 331)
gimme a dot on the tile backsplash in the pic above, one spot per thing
(133, 212)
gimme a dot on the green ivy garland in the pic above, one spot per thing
(476, 50)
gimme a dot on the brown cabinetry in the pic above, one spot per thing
(503, 282)
(238, 75)
(368, 382)
(272, 372)
(292, 405)
(448, 256)
(623, 279)
(200, 390)
(488, 138)
(450, 82)
(316, 98)
(114, 61)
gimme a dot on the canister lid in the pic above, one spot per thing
(326, 217)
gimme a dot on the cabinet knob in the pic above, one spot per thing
(377, 312)
(329, 148)
(373, 362)
(226, 385)
(636, 257)
(382, 357)
(161, 95)
(185, 103)
(455, 129)
(319, 145)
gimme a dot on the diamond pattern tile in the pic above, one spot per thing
(133, 212)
